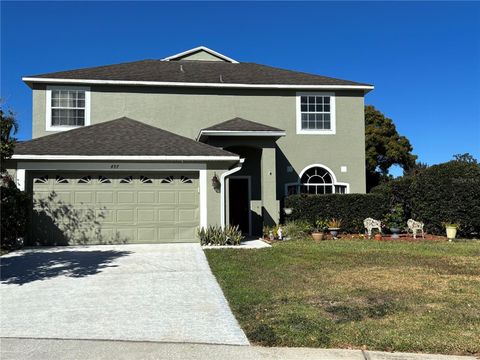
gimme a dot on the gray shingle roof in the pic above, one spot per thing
(239, 124)
(120, 137)
(198, 72)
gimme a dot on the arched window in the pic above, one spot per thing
(317, 179)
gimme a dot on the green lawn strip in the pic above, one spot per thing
(392, 296)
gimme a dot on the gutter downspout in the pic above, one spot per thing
(222, 190)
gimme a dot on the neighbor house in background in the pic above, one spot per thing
(161, 147)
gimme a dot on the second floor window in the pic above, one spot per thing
(315, 113)
(67, 107)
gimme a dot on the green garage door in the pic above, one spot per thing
(115, 207)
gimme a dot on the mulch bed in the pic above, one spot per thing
(402, 237)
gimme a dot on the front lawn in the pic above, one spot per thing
(392, 296)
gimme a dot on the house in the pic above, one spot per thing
(156, 148)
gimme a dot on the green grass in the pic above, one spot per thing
(391, 296)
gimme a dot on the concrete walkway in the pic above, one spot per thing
(119, 292)
(37, 349)
(247, 244)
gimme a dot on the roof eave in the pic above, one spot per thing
(126, 157)
(30, 80)
(264, 133)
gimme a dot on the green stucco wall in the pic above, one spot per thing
(186, 111)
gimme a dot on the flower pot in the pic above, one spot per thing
(395, 232)
(334, 232)
(451, 232)
(378, 237)
(317, 236)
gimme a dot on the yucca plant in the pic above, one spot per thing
(215, 235)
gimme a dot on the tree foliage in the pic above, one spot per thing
(8, 128)
(14, 212)
(384, 147)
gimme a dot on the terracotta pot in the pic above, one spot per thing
(378, 237)
(317, 236)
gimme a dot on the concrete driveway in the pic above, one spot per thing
(119, 292)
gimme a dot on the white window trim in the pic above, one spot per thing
(48, 108)
(333, 118)
(334, 179)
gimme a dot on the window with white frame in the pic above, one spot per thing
(317, 180)
(315, 113)
(67, 107)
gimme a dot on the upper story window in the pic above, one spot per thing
(315, 113)
(67, 107)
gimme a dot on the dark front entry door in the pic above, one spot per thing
(239, 203)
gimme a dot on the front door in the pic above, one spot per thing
(239, 203)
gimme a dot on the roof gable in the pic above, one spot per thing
(240, 127)
(240, 124)
(200, 53)
(120, 137)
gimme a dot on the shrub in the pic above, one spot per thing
(14, 213)
(352, 208)
(448, 192)
(297, 229)
(398, 193)
(395, 218)
(215, 235)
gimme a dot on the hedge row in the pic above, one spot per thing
(351, 208)
(444, 193)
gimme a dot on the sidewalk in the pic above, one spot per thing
(43, 349)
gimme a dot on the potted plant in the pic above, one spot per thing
(394, 220)
(334, 226)
(318, 232)
(451, 229)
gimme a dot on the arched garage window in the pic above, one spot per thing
(317, 179)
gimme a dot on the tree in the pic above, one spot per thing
(14, 203)
(466, 158)
(417, 168)
(8, 128)
(384, 147)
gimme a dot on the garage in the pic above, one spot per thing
(119, 181)
(115, 207)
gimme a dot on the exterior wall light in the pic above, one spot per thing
(215, 182)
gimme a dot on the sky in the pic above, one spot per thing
(422, 57)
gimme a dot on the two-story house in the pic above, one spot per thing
(157, 148)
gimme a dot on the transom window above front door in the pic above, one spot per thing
(67, 107)
(315, 113)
